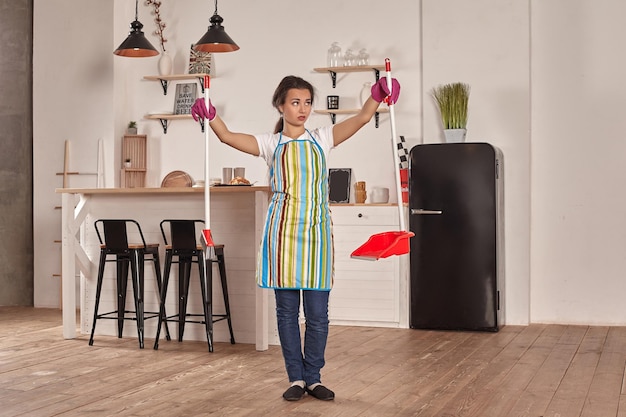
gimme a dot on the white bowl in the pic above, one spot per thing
(379, 195)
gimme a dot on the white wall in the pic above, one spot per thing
(539, 73)
(578, 148)
(73, 100)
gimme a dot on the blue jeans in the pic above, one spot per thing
(307, 366)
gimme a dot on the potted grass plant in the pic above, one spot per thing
(452, 100)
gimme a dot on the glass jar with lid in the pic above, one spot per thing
(349, 58)
(334, 55)
(363, 58)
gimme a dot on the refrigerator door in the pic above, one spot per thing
(454, 254)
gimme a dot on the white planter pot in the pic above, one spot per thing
(454, 135)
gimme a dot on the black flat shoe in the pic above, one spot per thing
(321, 393)
(294, 393)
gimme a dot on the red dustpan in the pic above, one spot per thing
(382, 245)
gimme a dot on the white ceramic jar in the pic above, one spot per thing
(379, 195)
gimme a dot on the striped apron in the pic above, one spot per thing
(297, 248)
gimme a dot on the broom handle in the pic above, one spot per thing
(394, 143)
(207, 192)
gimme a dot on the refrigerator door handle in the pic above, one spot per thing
(422, 211)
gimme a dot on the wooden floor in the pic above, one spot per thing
(539, 370)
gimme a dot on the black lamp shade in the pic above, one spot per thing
(216, 39)
(136, 45)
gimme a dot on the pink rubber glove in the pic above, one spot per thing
(199, 110)
(380, 90)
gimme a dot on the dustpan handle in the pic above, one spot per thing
(207, 192)
(394, 150)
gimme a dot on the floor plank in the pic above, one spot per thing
(536, 370)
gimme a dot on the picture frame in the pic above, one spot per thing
(201, 62)
(339, 180)
(186, 94)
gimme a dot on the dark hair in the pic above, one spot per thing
(280, 94)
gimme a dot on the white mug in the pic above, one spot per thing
(240, 172)
(227, 175)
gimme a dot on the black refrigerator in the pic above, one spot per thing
(456, 260)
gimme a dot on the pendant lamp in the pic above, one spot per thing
(136, 45)
(216, 39)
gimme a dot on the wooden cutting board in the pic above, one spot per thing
(177, 179)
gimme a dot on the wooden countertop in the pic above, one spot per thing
(165, 190)
(194, 190)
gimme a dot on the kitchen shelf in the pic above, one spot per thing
(165, 118)
(357, 68)
(333, 113)
(165, 79)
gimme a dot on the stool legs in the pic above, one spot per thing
(205, 272)
(184, 275)
(98, 291)
(207, 296)
(163, 291)
(137, 274)
(206, 284)
(122, 284)
(135, 260)
(159, 280)
(222, 267)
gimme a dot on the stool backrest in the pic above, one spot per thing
(182, 233)
(115, 233)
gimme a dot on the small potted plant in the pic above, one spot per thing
(132, 128)
(452, 100)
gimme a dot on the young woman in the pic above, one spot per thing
(296, 253)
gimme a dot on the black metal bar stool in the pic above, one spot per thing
(184, 246)
(114, 247)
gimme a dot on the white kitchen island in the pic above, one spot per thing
(237, 217)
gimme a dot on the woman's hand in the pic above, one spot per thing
(380, 91)
(199, 110)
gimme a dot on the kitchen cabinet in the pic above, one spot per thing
(134, 161)
(367, 293)
(333, 74)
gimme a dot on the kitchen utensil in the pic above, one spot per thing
(177, 179)
(360, 196)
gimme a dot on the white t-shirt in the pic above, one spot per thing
(269, 141)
